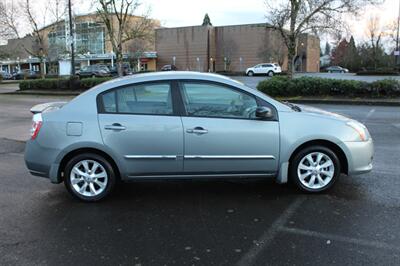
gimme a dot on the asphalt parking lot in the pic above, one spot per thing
(247, 222)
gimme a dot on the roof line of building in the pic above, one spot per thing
(222, 26)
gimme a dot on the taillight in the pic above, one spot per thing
(36, 125)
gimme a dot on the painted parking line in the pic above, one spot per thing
(370, 113)
(250, 257)
(349, 240)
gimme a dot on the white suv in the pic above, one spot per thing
(264, 69)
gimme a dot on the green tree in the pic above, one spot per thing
(206, 21)
(351, 58)
(327, 49)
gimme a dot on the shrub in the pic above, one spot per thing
(309, 86)
(379, 71)
(73, 84)
(86, 84)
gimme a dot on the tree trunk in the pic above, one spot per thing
(41, 63)
(119, 63)
(291, 57)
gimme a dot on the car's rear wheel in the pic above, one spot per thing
(89, 177)
(315, 169)
(250, 73)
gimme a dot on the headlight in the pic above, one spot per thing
(360, 129)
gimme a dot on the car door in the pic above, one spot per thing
(222, 134)
(139, 123)
(265, 68)
(257, 69)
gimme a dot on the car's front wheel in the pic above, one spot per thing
(89, 177)
(270, 73)
(315, 169)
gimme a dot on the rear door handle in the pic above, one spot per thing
(115, 126)
(197, 131)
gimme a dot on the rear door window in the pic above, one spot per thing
(150, 98)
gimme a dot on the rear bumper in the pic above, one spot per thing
(40, 161)
(359, 156)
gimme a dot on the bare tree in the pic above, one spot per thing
(39, 48)
(229, 48)
(9, 19)
(122, 25)
(272, 51)
(375, 34)
(53, 13)
(295, 17)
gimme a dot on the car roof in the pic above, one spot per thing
(171, 75)
(182, 75)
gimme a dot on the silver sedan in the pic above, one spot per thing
(190, 125)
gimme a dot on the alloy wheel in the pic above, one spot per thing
(88, 178)
(315, 170)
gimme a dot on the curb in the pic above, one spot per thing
(344, 102)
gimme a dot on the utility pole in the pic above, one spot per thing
(397, 38)
(71, 37)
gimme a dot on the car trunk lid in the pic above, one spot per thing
(47, 107)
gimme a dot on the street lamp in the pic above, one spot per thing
(174, 60)
(211, 69)
(112, 58)
(225, 63)
(397, 52)
(241, 61)
(198, 64)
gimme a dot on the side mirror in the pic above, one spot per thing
(264, 112)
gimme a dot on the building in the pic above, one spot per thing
(91, 47)
(231, 48)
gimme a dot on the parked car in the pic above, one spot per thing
(126, 70)
(25, 74)
(169, 68)
(336, 69)
(264, 69)
(190, 125)
(5, 75)
(94, 71)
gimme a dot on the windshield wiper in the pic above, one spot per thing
(293, 106)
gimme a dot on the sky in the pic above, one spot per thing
(176, 13)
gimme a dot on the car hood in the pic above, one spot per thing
(309, 110)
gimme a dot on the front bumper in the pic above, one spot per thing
(359, 156)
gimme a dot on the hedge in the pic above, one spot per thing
(310, 86)
(379, 72)
(61, 84)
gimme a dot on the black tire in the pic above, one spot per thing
(111, 176)
(270, 74)
(250, 73)
(93, 76)
(293, 167)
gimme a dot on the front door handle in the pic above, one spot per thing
(115, 126)
(197, 131)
